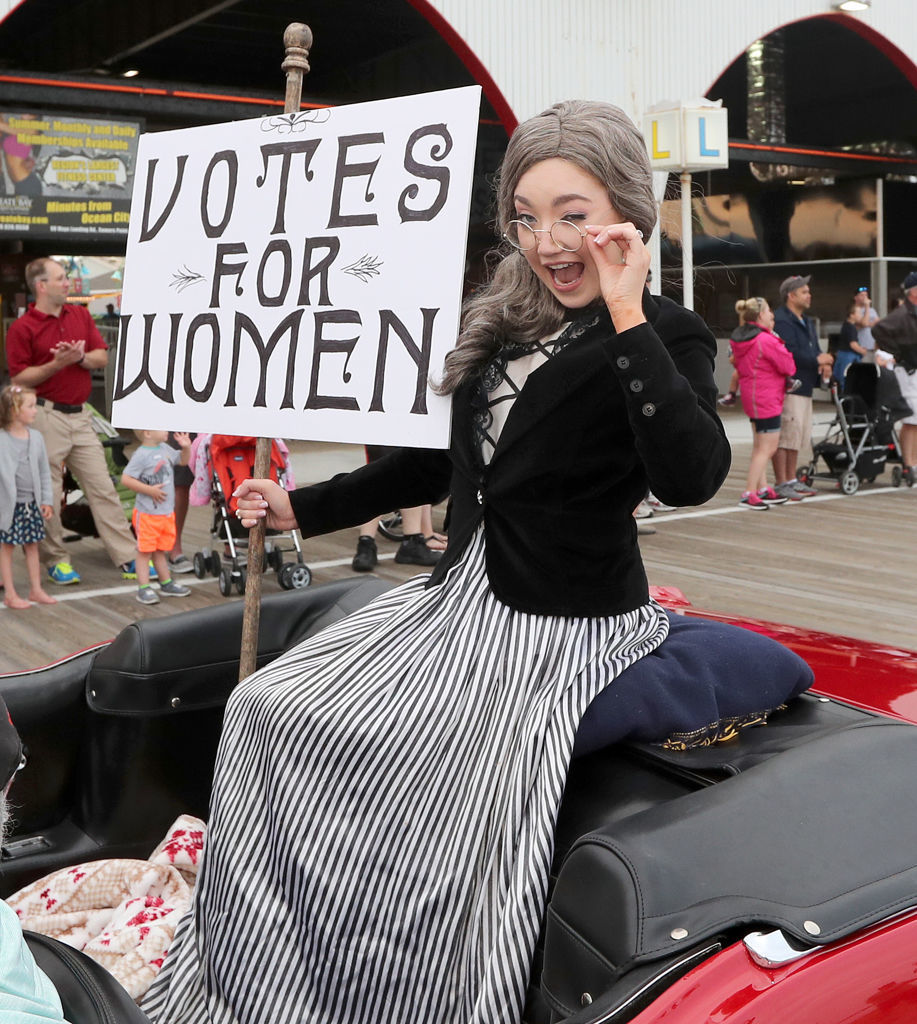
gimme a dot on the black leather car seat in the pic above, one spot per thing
(88, 993)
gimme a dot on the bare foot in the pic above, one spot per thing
(436, 542)
(16, 602)
(40, 597)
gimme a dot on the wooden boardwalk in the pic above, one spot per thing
(842, 564)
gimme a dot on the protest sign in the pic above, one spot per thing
(300, 274)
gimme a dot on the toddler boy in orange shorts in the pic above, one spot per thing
(150, 473)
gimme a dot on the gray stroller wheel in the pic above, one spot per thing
(850, 482)
(225, 581)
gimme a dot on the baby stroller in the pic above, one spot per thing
(232, 460)
(861, 438)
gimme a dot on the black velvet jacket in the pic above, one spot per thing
(604, 419)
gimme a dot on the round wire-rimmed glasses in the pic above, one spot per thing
(564, 234)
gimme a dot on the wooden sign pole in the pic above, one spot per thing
(297, 40)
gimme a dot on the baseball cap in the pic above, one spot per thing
(791, 284)
(910, 281)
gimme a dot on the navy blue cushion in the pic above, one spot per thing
(704, 671)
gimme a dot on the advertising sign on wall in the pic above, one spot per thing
(65, 176)
(299, 275)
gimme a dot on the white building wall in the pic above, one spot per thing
(8, 5)
(632, 52)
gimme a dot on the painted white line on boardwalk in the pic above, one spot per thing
(78, 593)
(664, 517)
(128, 587)
(658, 518)
(334, 563)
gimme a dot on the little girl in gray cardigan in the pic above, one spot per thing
(25, 493)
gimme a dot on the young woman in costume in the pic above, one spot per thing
(385, 794)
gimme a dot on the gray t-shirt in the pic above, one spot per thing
(864, 334)
(153, 465)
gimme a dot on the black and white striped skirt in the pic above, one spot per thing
(383, 813)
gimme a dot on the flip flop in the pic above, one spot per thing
(436, 542)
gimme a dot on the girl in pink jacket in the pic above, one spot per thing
(763, 364)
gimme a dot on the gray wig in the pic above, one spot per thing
(514, 305)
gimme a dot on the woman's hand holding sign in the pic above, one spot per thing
(259, 500)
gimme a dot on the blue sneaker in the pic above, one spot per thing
(129, 571)
(63, 573)
(172, 589)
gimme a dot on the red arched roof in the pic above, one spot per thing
(471, 61)
(882, 43)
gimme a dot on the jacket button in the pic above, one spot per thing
(636, 386)
(623, 362)
(480, 497)
(649, 409)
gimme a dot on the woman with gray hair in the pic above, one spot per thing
(385, 794)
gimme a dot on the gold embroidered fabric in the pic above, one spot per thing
(722, 731)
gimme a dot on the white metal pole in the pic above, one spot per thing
(660, 181)
(655, 284)
(878, 283)
(687, 244)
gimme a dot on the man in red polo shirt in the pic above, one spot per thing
(52, 348)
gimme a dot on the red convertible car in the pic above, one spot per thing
(768, 878)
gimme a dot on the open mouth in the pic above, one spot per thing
(566, 275)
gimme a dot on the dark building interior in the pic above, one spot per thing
(843, 96)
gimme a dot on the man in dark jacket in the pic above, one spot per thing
(897, 335)
(797, 331)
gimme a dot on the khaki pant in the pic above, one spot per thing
(70, 438)
(796, 423)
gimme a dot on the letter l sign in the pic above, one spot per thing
(657, 153)
(702, 130)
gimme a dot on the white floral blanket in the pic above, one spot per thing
(122, 913)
